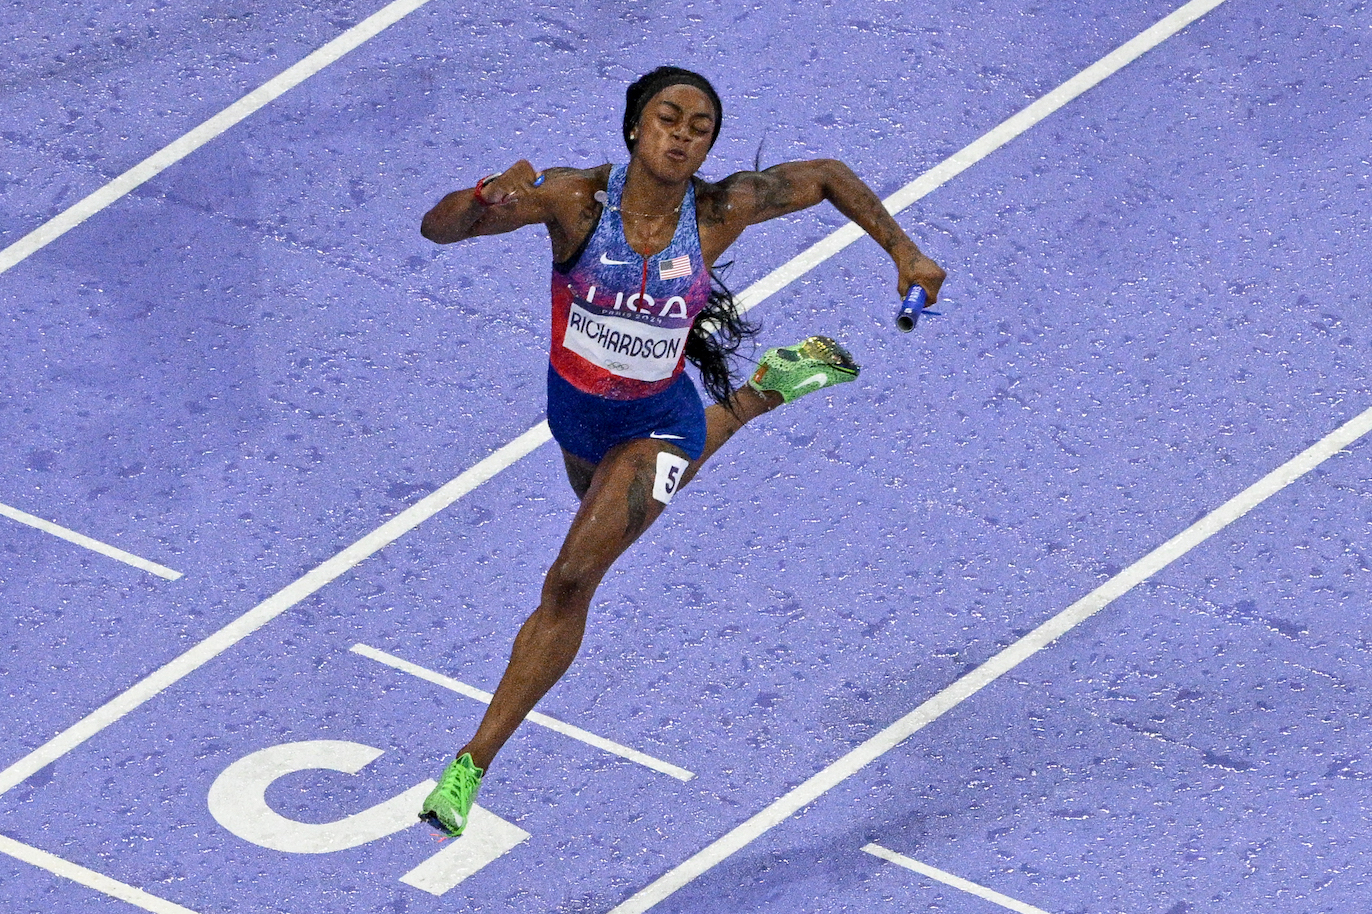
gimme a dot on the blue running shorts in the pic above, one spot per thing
(588, 426)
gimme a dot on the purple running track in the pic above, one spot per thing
(1156, 296)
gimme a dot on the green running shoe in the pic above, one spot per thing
(805, 367)
(447, 807)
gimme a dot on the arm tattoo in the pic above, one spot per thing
(712, 206)
(772, 195)
(775, 196)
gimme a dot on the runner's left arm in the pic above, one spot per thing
(750, 197)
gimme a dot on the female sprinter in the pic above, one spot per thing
(632, 250)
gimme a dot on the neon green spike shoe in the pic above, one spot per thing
(449, 804)
(803, 368)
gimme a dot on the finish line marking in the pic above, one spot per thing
(94, 545)
(178, 149)
(543, 720)
(957, 882)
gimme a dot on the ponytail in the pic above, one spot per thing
(717, 334)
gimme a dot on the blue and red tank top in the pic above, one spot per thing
(620, 320)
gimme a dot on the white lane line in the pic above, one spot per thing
(94, 545)
(269, 609)
(982, 147)
(169, 155)
(1002, 663)
(89, 878)
(543, 720)
(957, 882)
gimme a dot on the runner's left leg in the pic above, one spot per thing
(720, 425)
(721, 422)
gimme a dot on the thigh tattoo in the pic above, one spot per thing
(639, 488)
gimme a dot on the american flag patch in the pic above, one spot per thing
(675, 268)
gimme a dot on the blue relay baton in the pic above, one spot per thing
(914, 303)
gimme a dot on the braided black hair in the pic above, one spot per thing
(720, 329)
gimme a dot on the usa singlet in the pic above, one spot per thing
(619, 329)
(620, 320)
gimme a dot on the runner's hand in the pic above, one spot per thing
(918, 269)
(514, 183)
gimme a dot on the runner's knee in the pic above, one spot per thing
(570, 584)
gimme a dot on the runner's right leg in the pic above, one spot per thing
(617, 508)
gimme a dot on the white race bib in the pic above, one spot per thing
(625, 347)
(670, 469)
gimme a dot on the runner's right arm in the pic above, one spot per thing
(512, 201)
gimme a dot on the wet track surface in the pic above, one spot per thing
(1157, 296)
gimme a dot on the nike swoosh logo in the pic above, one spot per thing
(605, 259)
(819, 380)
(660, 436)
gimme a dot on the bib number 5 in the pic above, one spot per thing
(670, 470)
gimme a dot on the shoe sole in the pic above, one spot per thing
(845, 361)
(433, 820)
(832, 360)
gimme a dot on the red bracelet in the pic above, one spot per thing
(479, 185)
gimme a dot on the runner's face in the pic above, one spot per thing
(674, 131)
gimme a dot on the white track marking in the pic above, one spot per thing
(980, 148)
(89, 878)
(269, 609)
(486, 839)
(818, 784)
(260, 615)
(94, 545)
(957, 882)
(543, 720)
(169, 155)
(1002, 663)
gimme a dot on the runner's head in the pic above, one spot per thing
(650, 85)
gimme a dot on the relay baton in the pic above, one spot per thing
(908, 315)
